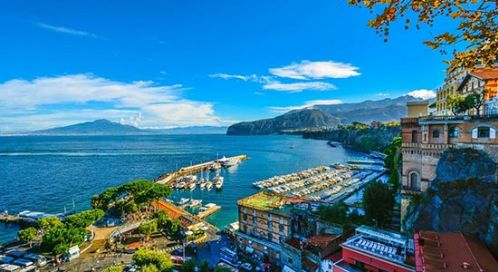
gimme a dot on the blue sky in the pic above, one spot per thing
(181, 63)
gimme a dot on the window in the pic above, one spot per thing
(281, 228)
(414, 181)
(244, 217)
(270, 236)
(453, 132)
(414, 136)
(435, 133)
(483, 132)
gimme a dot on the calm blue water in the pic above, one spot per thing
(49, 173)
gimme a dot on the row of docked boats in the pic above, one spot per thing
(223, 162)
(324, 183)
(284, 179)
(316, 181)
(190, 182)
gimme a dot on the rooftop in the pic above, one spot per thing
(382, 244)
(319, 242)
(486, 73)
(266, 201)
(452, 251)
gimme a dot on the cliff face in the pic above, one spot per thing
(463, 197)
(366, 140)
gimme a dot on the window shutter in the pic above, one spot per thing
(474, 133)
(492, 133)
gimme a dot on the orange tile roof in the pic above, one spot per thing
(321, 241)
(172, 211)
(452, 251)
(486, 73)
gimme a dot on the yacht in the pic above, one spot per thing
(195, 203)
(218, 181)
(180, 185)
(202, 185)
(215, 166)
(231, 162)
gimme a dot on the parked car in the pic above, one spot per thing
(246, 267)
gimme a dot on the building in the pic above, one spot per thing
(376, 250)
(264, 222)
(451, 251)
(425, 138)
(464, 82)
(284, 231)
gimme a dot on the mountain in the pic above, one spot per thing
(296, 119)
(106, 127)
(317, 116)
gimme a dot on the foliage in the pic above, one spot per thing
(85, 218)
(378, 201)
(137, 192)
(392, 160)
(113, 268)
(220, 268)
(475, 100)
(476, 25)
(59, 239)
(144, 257)
(204, 266)
(456, 103)
(150, 268)
(47, 223)
(27, 235)
(336, 213)
(147, 228)
(162, 219)
(188, 266)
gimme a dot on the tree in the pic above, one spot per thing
(476, 25)
(162, 219)
(114, 268)
(336, 213)
(48, 223)
(378, 202)
(456, 103)
(27, 235)
(476, 100)
(144, 257)
(149, 268)
(147, 228)
(188, 266)
(392, 160)
(204, 266)
(85, 218)
(59, 239)
(220, 268)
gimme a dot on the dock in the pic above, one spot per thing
(208, 212)
(6, 218)
(193, 169)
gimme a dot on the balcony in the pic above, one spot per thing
(408, 190)
(427, 146)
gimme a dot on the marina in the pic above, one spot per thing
(324, 183)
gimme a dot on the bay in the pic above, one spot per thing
(50, 173)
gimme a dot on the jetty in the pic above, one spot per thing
(209, 211)
(7, 218)
(193, 169)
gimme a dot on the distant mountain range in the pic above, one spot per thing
(317, 116)
(106, 127)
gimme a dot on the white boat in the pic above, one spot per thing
(192, 185)
(183, 201)
(195, 203)
(215, 166)
(202, 185)
(231, 162)
(218, 181)
(180, 185)
(209, 185)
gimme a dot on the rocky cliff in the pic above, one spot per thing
(463, 197)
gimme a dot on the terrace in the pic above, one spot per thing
(265, 201)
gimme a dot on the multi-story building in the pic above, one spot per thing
(376, 250)
(424, 139)
(286, 232)
(451, 251)
(463, 82)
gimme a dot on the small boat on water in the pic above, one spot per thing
(209, 185)
(202, 185)
(183, 201)
(218, 181)
(215, 166)
(192, 185)
(180, 185)
(195, 203)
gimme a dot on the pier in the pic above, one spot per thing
(208, 212)
(193, 169)
(6, 218)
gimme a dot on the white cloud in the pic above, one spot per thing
(66, 30)
(307, 104)
(43, 102)
(422, 93)
(298, 86)
(383, 94)
(231, 76)
(316, 70)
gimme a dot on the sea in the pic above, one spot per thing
(54, 174)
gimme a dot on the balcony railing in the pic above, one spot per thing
(426, 145)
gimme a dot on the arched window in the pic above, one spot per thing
(453, 132)
(414, 136)
(435, 133)
(414, 181)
